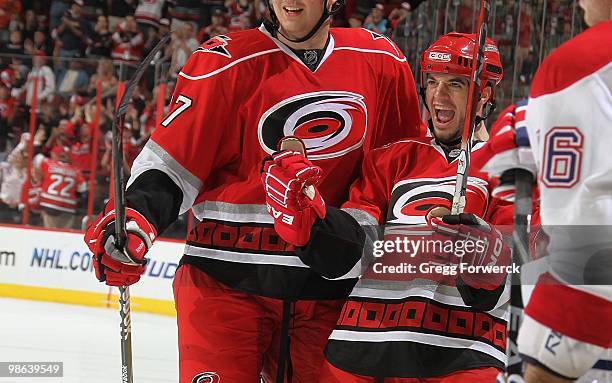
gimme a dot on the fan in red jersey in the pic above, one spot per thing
(61, 186)
(241, 292)
(417, 324)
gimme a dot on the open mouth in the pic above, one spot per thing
(444, 116)
(292, 11)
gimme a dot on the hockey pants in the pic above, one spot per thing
(232, 337)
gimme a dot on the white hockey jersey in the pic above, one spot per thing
(569, 120)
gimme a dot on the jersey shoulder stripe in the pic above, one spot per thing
(366, 42)
(402, 147)
(225, 51)
(574, 60)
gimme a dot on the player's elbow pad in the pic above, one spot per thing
(335, 246)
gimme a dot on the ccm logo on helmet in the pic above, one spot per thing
(440, 56)
(491, 48)
(330, 123)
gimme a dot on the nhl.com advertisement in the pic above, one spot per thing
(54, 265)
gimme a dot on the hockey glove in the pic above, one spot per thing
(476, 244)
(292, 198)
(511, 150)
(114, 266)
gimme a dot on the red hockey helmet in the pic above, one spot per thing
(452, 53)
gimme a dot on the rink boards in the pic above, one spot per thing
(56, 266)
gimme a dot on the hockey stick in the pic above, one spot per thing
(523, 182)
(522, 209)
(520, 254)
(284, 359)
(294, 143)
(119, 205)
(472, 105)
(464, 164)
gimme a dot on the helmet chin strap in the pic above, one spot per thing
(448, 143)
(276, 27)
(455, 141)
(324, 17)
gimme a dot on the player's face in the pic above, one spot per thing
(60, 156)
(596, 11)
(298, 17)
(446, 98)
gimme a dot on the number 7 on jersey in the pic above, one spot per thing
(185, 103)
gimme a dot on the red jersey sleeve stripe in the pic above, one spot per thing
(572, 312)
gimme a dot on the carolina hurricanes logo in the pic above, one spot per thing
(216, 45)
(411, 199)
(206, 377)
(331, 123)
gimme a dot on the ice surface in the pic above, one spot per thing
(86, 339)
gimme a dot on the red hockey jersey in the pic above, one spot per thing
(234, 99)
(60, 184)
(80, 155)
(415, 322)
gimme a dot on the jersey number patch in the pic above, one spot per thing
(185, 102)
(61, 185)
(562, 157)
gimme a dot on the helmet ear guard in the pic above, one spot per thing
(489, 107)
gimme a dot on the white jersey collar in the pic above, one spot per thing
(476, 146)
(284, 48)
